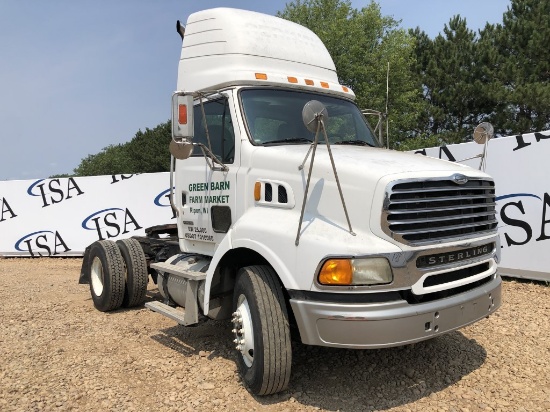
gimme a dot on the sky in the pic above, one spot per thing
(77, 76)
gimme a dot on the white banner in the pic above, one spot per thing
(61, 217)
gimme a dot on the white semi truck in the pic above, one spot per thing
(291, 219)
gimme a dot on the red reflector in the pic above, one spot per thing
(182, 115)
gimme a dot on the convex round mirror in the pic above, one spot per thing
(483, 132)
(312, 113)
(181, 150)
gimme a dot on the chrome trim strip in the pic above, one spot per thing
(443, 228)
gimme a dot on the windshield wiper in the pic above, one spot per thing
(289, 140)
(355, 142)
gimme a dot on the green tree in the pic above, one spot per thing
(454, 80)
(521, 71)
(361, 43)
(147, 152)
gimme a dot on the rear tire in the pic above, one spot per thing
(261, 330)
(106, 275)
(135, 274)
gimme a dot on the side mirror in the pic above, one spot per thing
(483, 133)
(312, 113)
(181, 145)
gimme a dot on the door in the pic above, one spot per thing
(205, 196)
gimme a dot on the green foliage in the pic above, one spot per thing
(453, 81)
(147, 152)
(502, 75)
(520, 67)
(60, 176)
(420, 142)
(362, 43)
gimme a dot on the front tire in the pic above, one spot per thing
(106, 275)
(136, 275)
(261, 330)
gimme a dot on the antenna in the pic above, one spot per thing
(387, 98)
(381, 116)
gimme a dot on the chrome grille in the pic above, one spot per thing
(433, 211)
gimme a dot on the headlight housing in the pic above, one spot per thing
(356, 272)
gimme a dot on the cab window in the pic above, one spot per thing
(220, 129)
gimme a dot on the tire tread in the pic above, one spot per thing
(114, 273)
(137, 276)
(277, 356)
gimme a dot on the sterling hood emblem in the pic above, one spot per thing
(459, 179)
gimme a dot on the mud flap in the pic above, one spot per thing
(85, 269)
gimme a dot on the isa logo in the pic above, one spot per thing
(112, 222)
(54, 191)
(42, 243)
(120, 178)
(524, 219)
(6, 211)
(163, 200)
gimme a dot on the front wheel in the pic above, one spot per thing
(261, 330)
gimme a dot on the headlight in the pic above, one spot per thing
(344, 272)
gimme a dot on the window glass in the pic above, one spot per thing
(274, 116)
(220, 129)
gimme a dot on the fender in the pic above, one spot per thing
(221, 250)
(228, 244)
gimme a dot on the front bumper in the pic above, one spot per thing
(380, 325)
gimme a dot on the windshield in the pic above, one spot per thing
(275, 117)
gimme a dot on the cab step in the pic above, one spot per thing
(173, 313)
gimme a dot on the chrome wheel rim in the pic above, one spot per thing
(96, 275)
(243, 331)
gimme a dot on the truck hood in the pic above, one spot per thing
(352, 161)
(364, 174)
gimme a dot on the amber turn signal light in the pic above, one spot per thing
(336, 272)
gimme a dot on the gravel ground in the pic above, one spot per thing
(58, 353)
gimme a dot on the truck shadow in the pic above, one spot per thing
(368, 380)
(211, 337)
(348, 380)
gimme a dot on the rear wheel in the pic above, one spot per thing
(106, 275)
(135, 275)
(261, 330)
